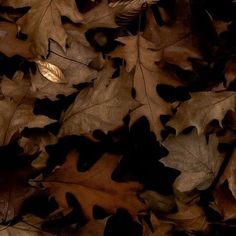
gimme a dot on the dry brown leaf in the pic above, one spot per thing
(74, 65)
(141, 55)
(230, 71)
(92, 228)
(230, 174)
(102, 107)
(9, 44)
(160, 227)
(189, 218)
(17, 109)
(94, 187)
(198, 161)
(51, 72)
(174, 39)
(100, 16)
(220, 26)
(43, 21)
(35, 144)
(180, 53)
(201, 109)
(129, 10)
(175, 31)
(29, 226)
(225, 203)
(14, 189)
(158, 202)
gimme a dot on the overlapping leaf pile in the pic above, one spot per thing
(117, 117)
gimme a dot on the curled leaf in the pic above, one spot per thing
(51, 72)
(126, 11)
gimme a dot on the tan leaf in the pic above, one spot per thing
(100, 16)
(225, 202)
(198, 161)
(74, 65)
(94, 187)
(51, 72)
(189, 218)
(160, 227)
(158, 202)
(201, 109)
(141, 55)
(92, 228)
(220, 26)
(102, 107)
(230, 71)
(9, 44)
(174, 39)
(43, 21)
(175, 31)
(17, 110)
(180, 53)
(36, 143)
(230, 174)
(14, 189)
(129, 10)
(29, 226)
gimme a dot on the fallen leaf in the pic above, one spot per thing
(9, 44)
(51, 72)
(158, 202)
(180, 53)
(160, 227)
(94, 187)
(201, 109)
(74, 65)
(174, 39)
(14, 188)
(190, 218)
(104, 105)
(17, 109)
(141, 55)
(100, 16)
(127, 11)
(43, 21)
(230, 71)
(220, 26)
(28, 226)
(197, 160)
(225, 203)
(92, 228)
(35, 144)
(230, 174)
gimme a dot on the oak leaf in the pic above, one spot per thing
(73, 64)
(100, 16)
(189, 218)
(201, 109)
(9, 44)
(127, 11)
(101, 107)
(159, 227)
(43, 21)
(197, 160)
(92, 228)
(35, 144)
(174, 39)
(94, 187)
(17, 109)
(224, 202)
(230, 71)
(229, 174)
(141, 55)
